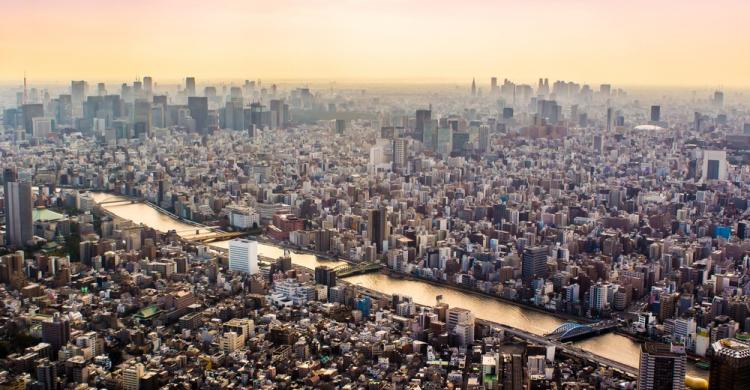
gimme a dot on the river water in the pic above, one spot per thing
(611, 346)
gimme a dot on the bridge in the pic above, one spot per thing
(119, 201)
(572, 330)
(345, 270)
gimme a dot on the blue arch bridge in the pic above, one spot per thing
(573, 331)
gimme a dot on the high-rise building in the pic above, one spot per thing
(18, 222)
(199, 112)
(46, 375)
(29, 112)
(131, 376)
(534, 262)
(730, 365)
(243, 256)
(655, 113)
(376, 228)
(325, 276)
(493, 85)
(662, 366)
(424, 117)
(598, 296)
(148, 85)
(714, 165)
(56, 332)
(142, 118)
(190, 86)
(719, 99)
(78, 94)
(473, 87)
(484, 138)
(399, 152)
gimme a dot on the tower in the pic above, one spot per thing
(473, 87)
(19, 228)
(662, 366)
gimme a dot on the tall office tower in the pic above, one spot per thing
(507, 113)
(148, 85)
(399, 152)
(493, 85)
(64, 112)
(131, 376)
(42, 127)
(609, 119)
(511, 371)
(484, 138)
(259, 116)
(730, 365)
(662, 366)
(714, 165)
(549, 111)
(279, 113)
(655, 113)
(142, 118)
(598, 296)
(56, 332)
(18, 223)
(340, 126)
(29, 112)
(376, 228)
(473, 87)
(325, 275)
(190, 86)
(199, 112)
(719, 99)
(605, 90)
(78, 94)
(534, 262)
(424, 117)
(461, 322)
(46, 375)
(243, 256)
(101, 89)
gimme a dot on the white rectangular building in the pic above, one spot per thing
(243, 256)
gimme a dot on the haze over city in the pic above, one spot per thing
(634, 43)
(379, 195)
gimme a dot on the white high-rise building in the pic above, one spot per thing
(714, 165)
(131, 376)
(243, 256)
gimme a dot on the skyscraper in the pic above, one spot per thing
(18, 223)
(661, 366)
(148, 85)
(376, 228)
(78, 94)
(534, 262)
(56, 332)
(199, 112)
(730, 365)
(243, 256)
(190, 86)
(714, 165)
(142, 118)
(424, 117)
(655, 113)
(473, 87)
(31, 111)
(399, 152)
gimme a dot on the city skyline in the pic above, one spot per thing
(381, 42)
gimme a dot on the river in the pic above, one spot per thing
(611, 346)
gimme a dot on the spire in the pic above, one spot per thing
(473, 87)
(25, 93)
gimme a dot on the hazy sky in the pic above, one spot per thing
(627, 42)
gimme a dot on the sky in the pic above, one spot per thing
(633, 42)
